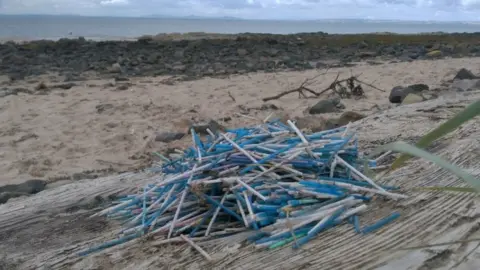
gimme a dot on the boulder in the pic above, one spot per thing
(398, 93)
(327, 106)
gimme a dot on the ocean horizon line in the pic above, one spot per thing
(197, 17)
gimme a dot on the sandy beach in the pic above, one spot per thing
(94, 129)
(88, 126)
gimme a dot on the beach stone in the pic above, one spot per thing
(366, 54)
(434, 54)
(321, 65)
(103, 107)
(428, 96)
(283, 116)
(327, 106)
(14, 91)
(214, 126)
(332, 123)
(398, 93)
(269, 106)
(419, 87)
(464, 74)
(362, 44)
(64, 86)
(123, 87)
(28, 187)
(219, 67)
(84, 175)
(116, 68)
(41, 86)
(5, 196)
(179, 54)
(179, 68)
(349, 116)
(465, 85)
(111, 125)
(167, 137)
(412, 98)
(242, 52)
(154, 56)
(313, 123)
(121, 79)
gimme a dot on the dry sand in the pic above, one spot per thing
(48, 229)
(55, 135)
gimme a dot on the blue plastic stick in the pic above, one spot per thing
(109, 244)
(144, 208)
(380, 223)
(356, 224)
(320, 227)
(228, 211)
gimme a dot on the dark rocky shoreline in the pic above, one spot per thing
(220, 56)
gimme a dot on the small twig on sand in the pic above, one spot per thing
(197, 247)
(231, 96)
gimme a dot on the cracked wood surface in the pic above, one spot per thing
(46, 230)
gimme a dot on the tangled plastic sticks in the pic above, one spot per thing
(271, 178)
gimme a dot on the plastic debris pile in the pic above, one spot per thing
(271, 178)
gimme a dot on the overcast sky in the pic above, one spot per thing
(460, 10)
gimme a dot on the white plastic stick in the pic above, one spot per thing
(344, 163)
(184, 194)
(243, 152)
(249, 206)
(195, 246)
(242, 212)
(217, 210)
(252, 190)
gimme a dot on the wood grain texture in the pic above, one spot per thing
(44, 231)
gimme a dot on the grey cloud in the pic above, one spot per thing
(412, 3)
(231, 4)
(276, 8)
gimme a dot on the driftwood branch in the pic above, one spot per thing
(345, 88)
(370, 85)
(300, 90)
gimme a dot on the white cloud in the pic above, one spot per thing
(114, 2)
